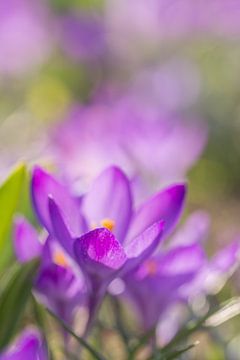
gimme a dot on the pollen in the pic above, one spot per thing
(151, 266)
(60, 259)
(108, 224)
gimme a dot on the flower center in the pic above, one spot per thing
(151, 267)
(60, 259)
(108, 224)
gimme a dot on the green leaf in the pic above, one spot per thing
(13, 300)
(186, 331)
(175, 354)
(10, 194)
(226, 311)
(25, 203)
(214, 317)
(79, 339)
(171, 355)
(142, 341)
(39, 317)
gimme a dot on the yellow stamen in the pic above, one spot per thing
(151, 266)
(108, 224)
(60, 259)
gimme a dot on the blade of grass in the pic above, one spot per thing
(80, 340)
(141, 342)
(13, 300)
(177, 353)
(119, 322)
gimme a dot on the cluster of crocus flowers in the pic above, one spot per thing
(99, 237)
(180, 273)
(101, 232)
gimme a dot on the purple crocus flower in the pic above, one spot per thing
(172, 86)
(180, 273)
(121, 239)
(81, 147)
(28, 346)
(215, 272)
(57, 285)
(24, 37)
(164, 276)
(60, 290)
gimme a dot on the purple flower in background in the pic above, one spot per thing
(172, 86)
(26, 242)
(60, 290)
(57, 284)
(213, 275)
(82, 36)
(24, 38)
(135, 131)
(111, 237)
(180, 272)
(163, 276)
(194, 230)
(28, 346)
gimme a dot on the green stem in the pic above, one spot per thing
(81, 341)
(119, 323)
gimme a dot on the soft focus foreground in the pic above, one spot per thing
(119, 195)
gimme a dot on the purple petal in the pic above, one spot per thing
(166, 205)
(226, 259)
(60, 230)
(26, 243)
(109, 198)
(213, 275)
(98, 252)
(195, 230)
(182, 260)
(59, 289)
(219, 269)
(29, 346)
(165, 289)
(45, 185)
(47, 251)
(143, 246)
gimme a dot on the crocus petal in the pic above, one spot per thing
(182, 260)
(26, 243)
(143, 246)
(195, 229)
(166, 205)
(219, 269)
(45, 185)
(99, 253)
(214, 274)
(28, 347)
(60, 230)
(227, 259)
(59, 289)
(47, 251)
(109, 198)
(165, 289)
